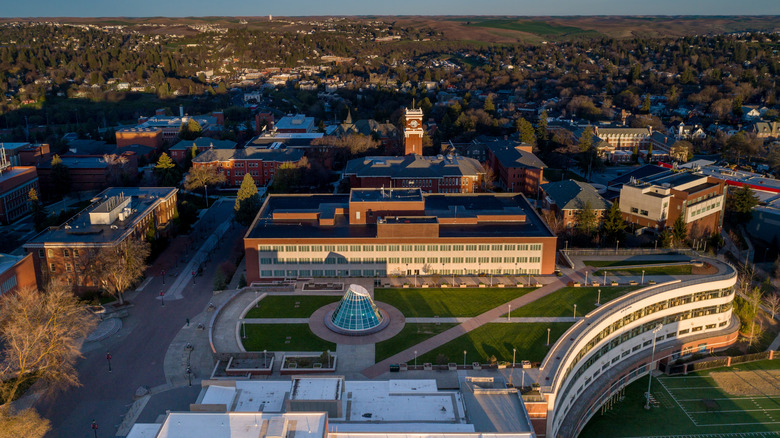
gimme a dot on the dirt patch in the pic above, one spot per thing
(762, 382)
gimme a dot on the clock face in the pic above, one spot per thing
(413, 123)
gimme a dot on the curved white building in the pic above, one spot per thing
(611, 346)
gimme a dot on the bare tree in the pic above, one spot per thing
(40, 332)
(755, 334)
(754, 297)
(203, 176)
(746, 275)
(117, 268)
(26, 423)
(488, 178)
(772, 302)
(553, 221)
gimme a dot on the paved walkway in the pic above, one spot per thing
(429, 344)
(224, 328)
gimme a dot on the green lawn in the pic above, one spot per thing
(448, 301)
(284, 306)
(562, 301)
(608, 263)
(410, 335)
(628, 418)
(498, 339)
(653, 270)
(273, 337)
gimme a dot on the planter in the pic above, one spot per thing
(500, 285)
(406, 286)
(633, 283)
(452, 366)
(428, 366)
(482, 285)
(614, 283)
(403, 367)
(476, 365)
(462, 285)
(538, 284)
(574, 284)
(307, 363)
(425, 285)
(501, 366)
(255, 365)
(525, 364)
(444, 286)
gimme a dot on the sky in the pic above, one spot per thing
(180, 8)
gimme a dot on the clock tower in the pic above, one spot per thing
(413, 131)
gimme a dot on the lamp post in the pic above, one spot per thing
(108, 358)
(189, 376)
(162, 299)
(598, 299)
(548, 336)
(328, 358)
(415, 359)
(650, 367)
(162, 273)
(605, 278)
(243, 330)
(617, 243)
(586, 276)
(94, 427)
(643, 277)
(575, 310)
(464, 358)
(509, 315)
(514, 352)
(265, 358)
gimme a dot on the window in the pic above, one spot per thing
(634, 210)
(75, 253)
(41, 253)
(65, 253)
(643, 212)
(52, 267)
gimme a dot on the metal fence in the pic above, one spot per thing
(723, 362)
(630, 251)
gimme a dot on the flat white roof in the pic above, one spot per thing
(265, 396)
(373, 402)
(411, 386)
(238, 425)
(216, 395)
(326, 388)
(401, 427)
(144, 430)
(429, 435)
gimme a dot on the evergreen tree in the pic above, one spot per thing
(679, 229)
(61, 175)
(38, 210)
(190, 130)
(586, 139)
(541, 129)
(587, 221)
(247, 201)
(635, 154)
(649, 153)
(489, 107)
(166, 171)
(740, 203)
(526, 131)
(614, 225)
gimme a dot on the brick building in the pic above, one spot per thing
(15, 185)
(116, 214)
(569, 197)
(413, 131)
(179, 151)
(380, 232)
(260, 163)
(16, 272)
(152, 137)
(515, 167)
(88, 172)
(657, 201)
(440, 174)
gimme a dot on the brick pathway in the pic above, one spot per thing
(473, 323)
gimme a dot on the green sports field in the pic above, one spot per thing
(740, 401)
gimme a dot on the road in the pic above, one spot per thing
(138, 350)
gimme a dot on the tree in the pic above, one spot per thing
(203, 176)
(489, 107)
(117, 268)
(61, 174)
(614, 225)
(526, 131)
(166, 171)
(682, 150)
(679, 229)
(649, 153)
(587, 221)
(27, 423)
(665, 238)
(190, 130)
(41, 334)
(247, 201)
(541, 129)
(38, 210)
(488, 178)
(553, 221)
(772, 302)
(740, 204)
(586, 139)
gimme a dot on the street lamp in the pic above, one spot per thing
(605, 278)
(586, 276)
(509, 315)
(162, 299)
(243, 329)
(415, 359)
(514, 352)
(108, 358)
(650, 366)
(464, 358)
(548, 336)
(575, 310)
(598, 299)
(643, 277)
(189, 376)
(328, 358)
(94, 427)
